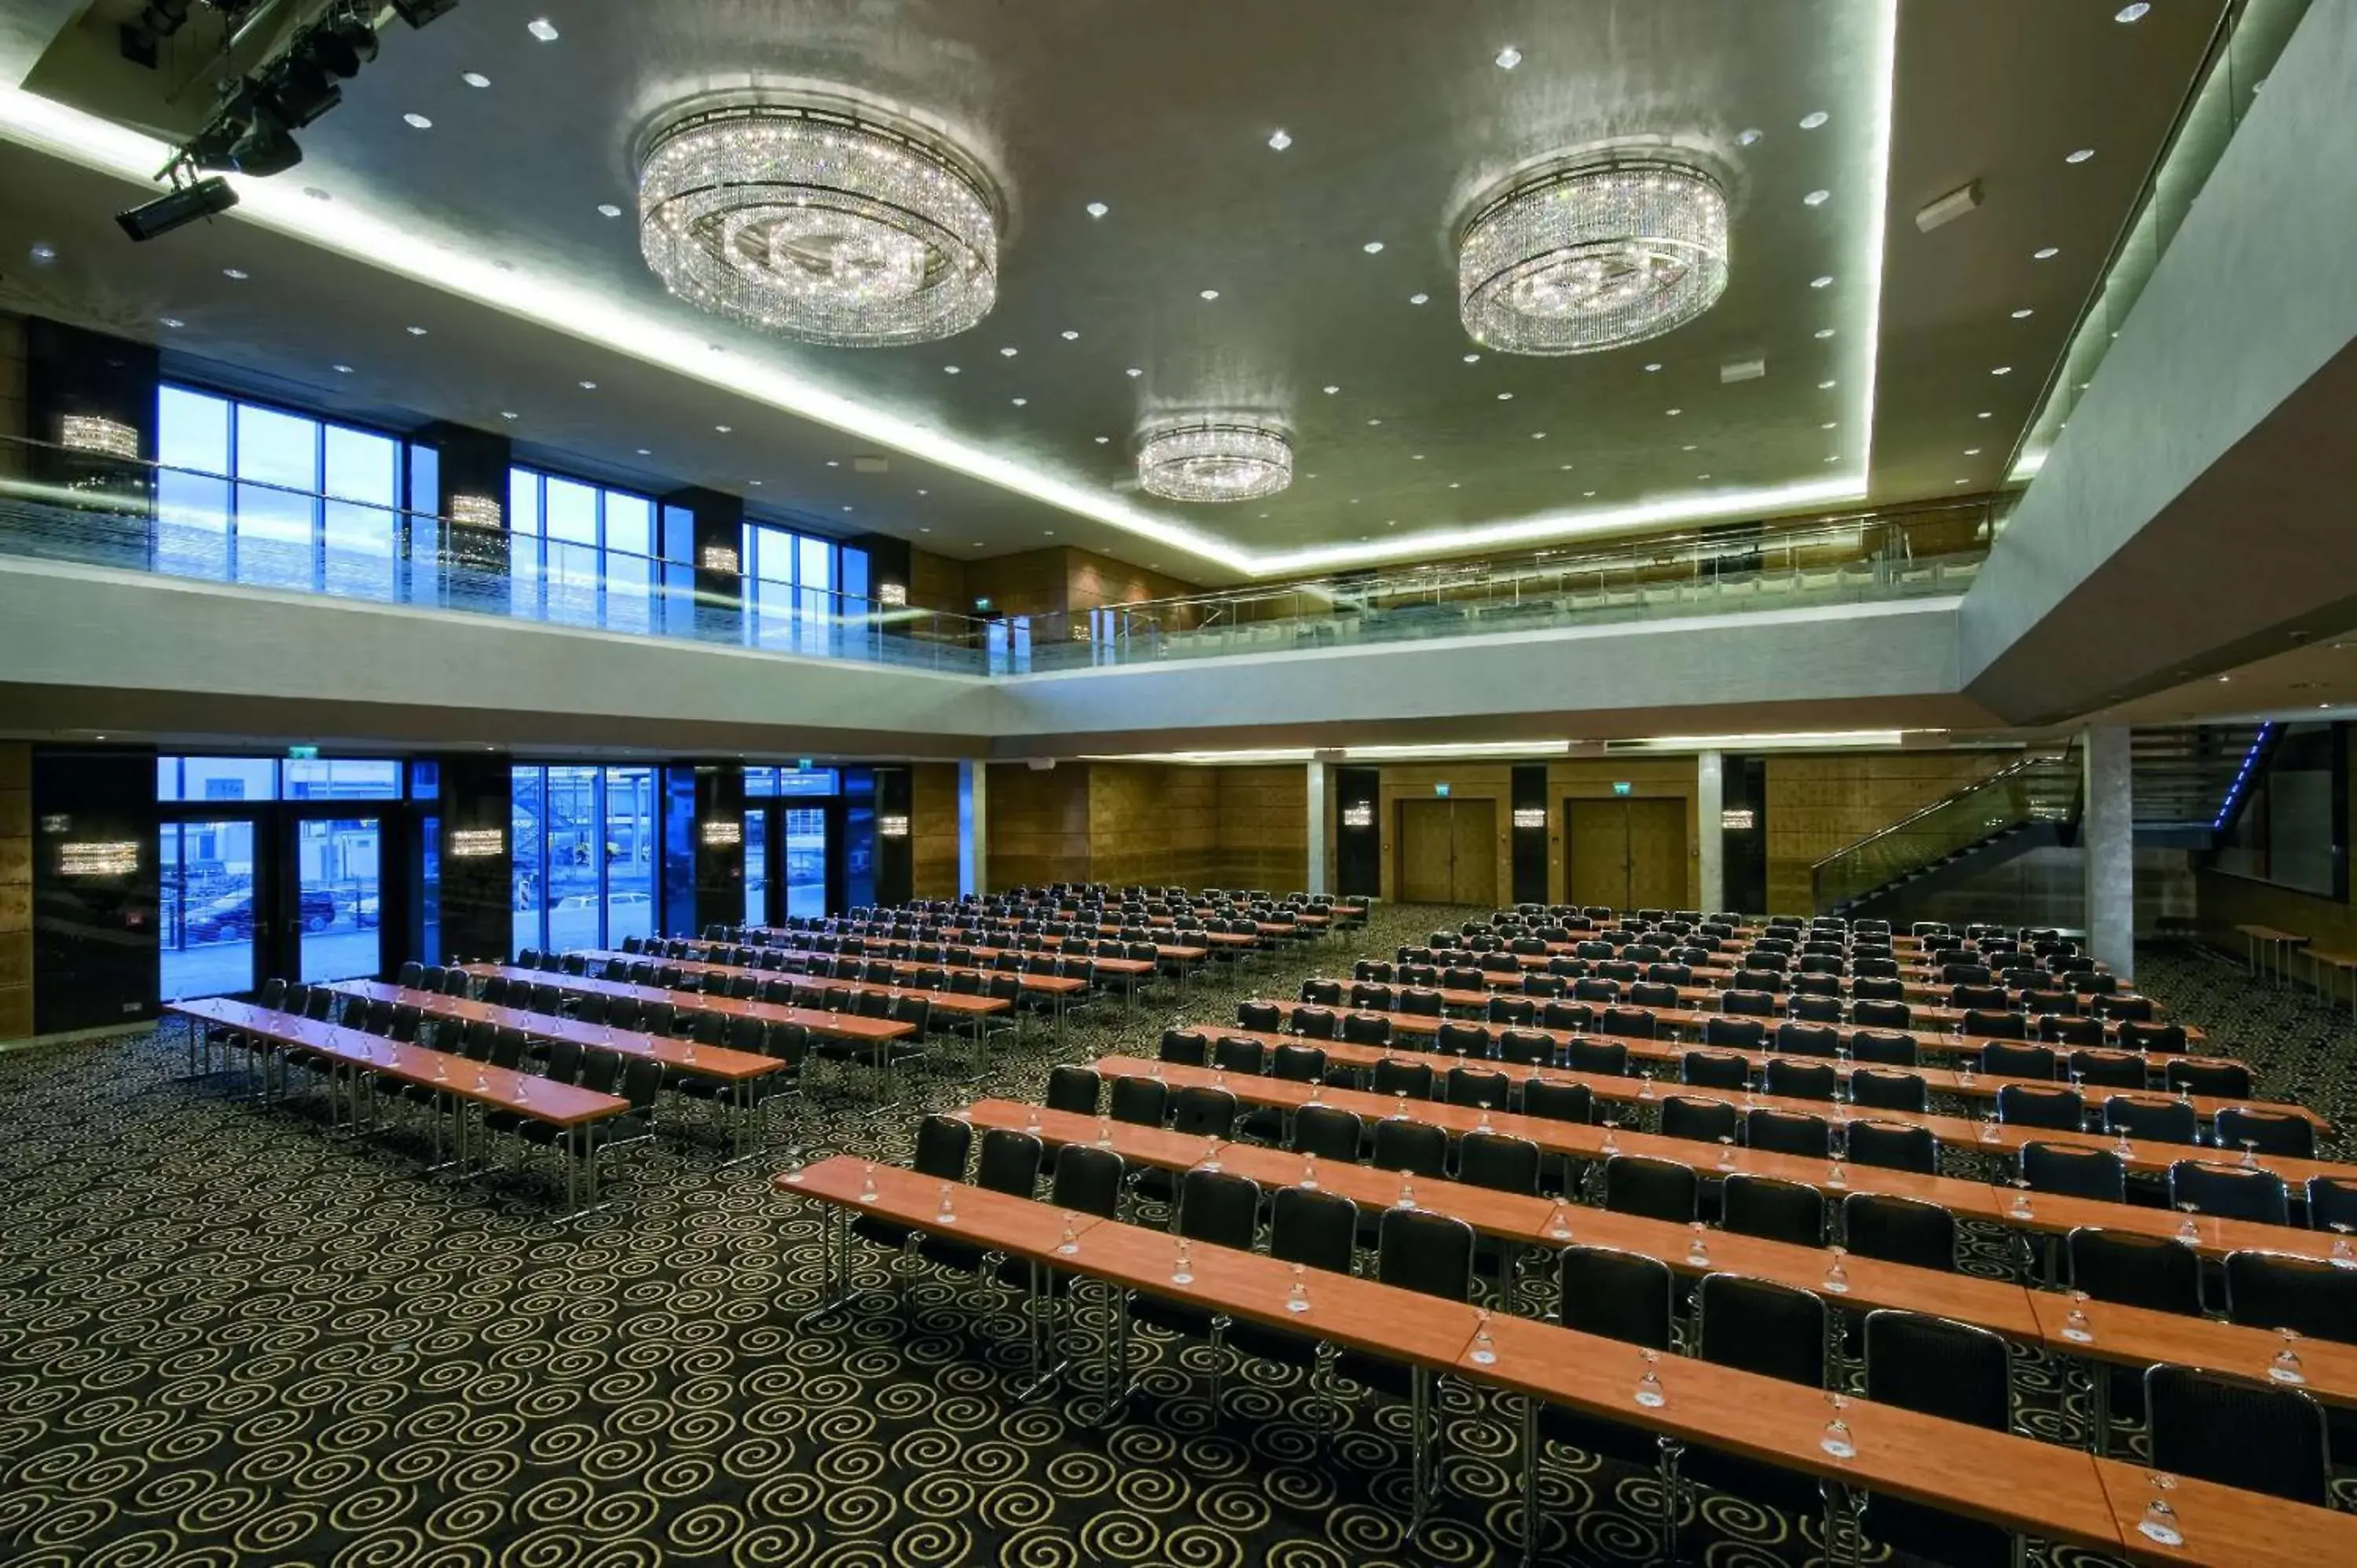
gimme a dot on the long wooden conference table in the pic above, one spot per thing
(740, 1071)
(357, 1058)
(2015, 1483)
(970, 1009)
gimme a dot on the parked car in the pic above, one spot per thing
(229, 918)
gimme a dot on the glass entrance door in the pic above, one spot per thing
(757, 867)
(208, 918)
(337, 913)
(806, 837)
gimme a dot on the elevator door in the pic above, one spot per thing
(1627, 854)
(1449, 851)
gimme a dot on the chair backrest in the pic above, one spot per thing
(1418, 1148)
(1748, 1002)
(1266, 1016)
(1656, 1190)
(1899, 1230)
(642, 1083)
(1298, 1064)
(1742, 1034)
(1203, 1110)
(1788, 1133)
(1886, 1089)
(2266, 1131)
(1632, 1023)
(564, 1061)
(1706, 1121)
(1398, 1075)
(2278, 1290)
(1479, 1086)
(1456, 1039)
(1714, 1069)
(2332, 1201)
(1240, 1053)
(1073, 1089)
(1218, 1207)
(1316, 1230)
(1956, 1371)
(1773, 1209)
(2135, 1270)
(1870, 1011)
(1894, 1146)
(1558, 1102)
(1327, 1130)
(2233, 1192)
(2027, 1105)
(1499, 1162)
(1139, 1101)
(1187, 1048)
(1807, 1040)
(2237, 1432)
(2160, 1121)
(1618, 1296)
(1009, 1161)
(1602, 1057)
(1420, 1251)
(1758, 1326)
(1366, 1029)
(1525, 1048)
(1802, 1080)
(2074, 1171)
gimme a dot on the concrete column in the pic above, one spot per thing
(1710, 796)
(974, 827)
(2107, 840)
(1315, 880)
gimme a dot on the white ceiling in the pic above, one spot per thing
(1399, 118)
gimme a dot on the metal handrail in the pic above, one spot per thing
(1961, 793)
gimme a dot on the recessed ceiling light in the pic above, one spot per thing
(2223, 679)
(2079, 156)
(415, 331)
(1588, 492)
(1830, 424)
(1418, 298)
(1098, 209)
(1674, 413)
(1505, 397)
(540, 27)
(834, 463)
(2132, 12)
(1104, 440)
(724, 429)
(1826, 386)
(173, 321)
(509, 414)
(1456, 484)
(1509, 57)
(755, 483)
(2046, 253)
(1971, 451)
(1211, 294)
(1332, 390)
(1825, 282)
(1278, 140)
(1372, 247)
(239, 273)
(847, 509)
(474, 78)
(1009, 352)
(1415, 457)
(609, 209)
(1701, 475)
(589, 386)
(1472, 358)
(1132, 372)
(341, 369)
(2023, 314)
(1986, 414)
(646, 452)
(1375, 422)
(1652, 368)
(1070, 335)
(1746, 137)
(1964, 482)
(316, 194)
(2002, 370)
(1566, 468)
(1813, 118)
(1832, 457)
(1824, 332)
(949, 370)
(1689, 447)
(1019, 402)
(1538, 435)
(417, 122)
(1816, 199)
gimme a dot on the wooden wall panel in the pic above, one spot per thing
(1094, 580)
(1648, 778)
(937, 583)
(16, 890)
(1466, 781)
(1264, 833)
(1032, 581)
(1193, 802)
(1129, 823)
(15, 411)
(1038, 824)
(934, 830)
(1822, 802)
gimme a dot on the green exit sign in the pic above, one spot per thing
(1621, 786)
(302, 754)
(1441, 790)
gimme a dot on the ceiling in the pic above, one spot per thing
(1164, 114)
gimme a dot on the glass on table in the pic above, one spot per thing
(1485, 1349)
(1649, 1380)
(1071, 1239)
(2075, 1327)
(2286, 1366)
(1698, 1244)
(2187, 1230)
(1297, 1295)
(1837, 1271)
(868, 1181)
(2160, 1521)
(1838, 1440)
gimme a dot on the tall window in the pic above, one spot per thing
(586, 842)
(580, 552)
(253, 494)
(800, 591)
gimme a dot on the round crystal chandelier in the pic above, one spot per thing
(1594, 256)
(819, 225)
(1215, 461)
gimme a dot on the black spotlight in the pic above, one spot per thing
(264, 147)
(159, 21)
(418, 12)
(298, 91)
(178, 208)
(341, 45)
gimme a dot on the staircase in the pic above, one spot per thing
(2030, 804)
(2185, 777)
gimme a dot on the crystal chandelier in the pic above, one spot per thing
(1593, 256)
(1208, 461)
(819, 225)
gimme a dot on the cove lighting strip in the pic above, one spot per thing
(349, 229)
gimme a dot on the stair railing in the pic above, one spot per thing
(2039, 787)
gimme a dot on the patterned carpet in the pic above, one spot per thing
(227, 1338)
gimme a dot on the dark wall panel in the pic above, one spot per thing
(1358, 850)
(1744, 787)
(1529, 844)
(477, 895)
(95, 956)
(895, 871)
(713, 547)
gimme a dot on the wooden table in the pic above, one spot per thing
(2261, 941)
(358, 1058)
(2015, 1483)
(2319, 961)
(2224, 1527)
(976, 938)
(974, 1009)
(741, 1070)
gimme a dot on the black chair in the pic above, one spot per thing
(2160, 1039)
(2073, 1171)
(1872, 1012)
(2216, 1080)
(1655, 1189)
(2157, 1120)
(1139, 1101)
(2333, 1203)
(1239, 1054)
(2001, 1058)
(2265, 1132)
(1525, 1048)
(1009, 1162)
(1521, 1010)
(1703, 1120)
(1802, 1080)
(1366, 1029)
(1629, 1297)
(1775, 1209)
(1220, 1209)
(1900, 1230)
(1607, 1058)
(1499, 1162)
(2058, 1109)
(1788, 1133)
(1397, 1076)
(1954, 1371)
(1737, 1034)
(1567, 1016)
(1456, 1039)
(2232, 1192)
(1804, 1039)
(1771, 1330)
(1317, 1230)
(1410, 1148)
(1187, 1047)
(942, 1145)
(1316, 1023)
(1266, 1017)
(1419, 1250)
(1329, 1132)
(1883, 1089)
(1479, 1088)
(1750, 1004)
(1714, 1069)
(2278, 1290)
(2238, 1431)
(2062, 1029)
(1894, 1146)
(1073, 1089)
(1627, 1023)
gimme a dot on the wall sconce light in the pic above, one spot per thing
(99, 857)
(475, 511)
(1358, 814)
(894, 593)
(478, 844)
(1739, 818)
(1529, 816)
(892, 827)
(722, 833)
(718, 558)
(94, 433)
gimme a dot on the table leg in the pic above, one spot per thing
(1529, 1480)
(2099, 1377)
(834, 1267)
(1419, 1449)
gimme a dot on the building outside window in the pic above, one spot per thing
(585, 841)
(581, 554)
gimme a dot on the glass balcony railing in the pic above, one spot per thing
(1870, 556)
(2249, 39)
(2039, 788)
(68, 504)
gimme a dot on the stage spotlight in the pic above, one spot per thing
(418, 12)
(342, 46)
(299, 90)
(265, 147)
(138, 39)
(178, 208)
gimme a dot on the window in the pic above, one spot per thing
(254, 494)
(580, 552)
(585, 841)
(791, 589)
(792, 781)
